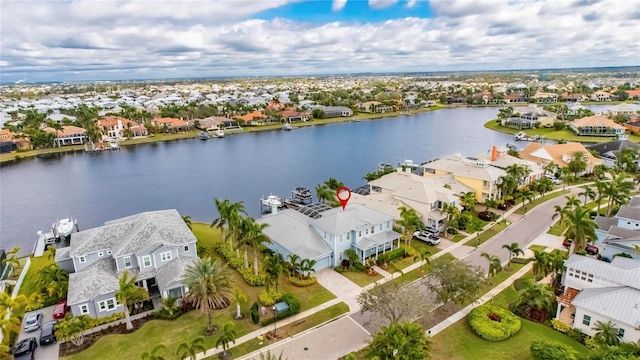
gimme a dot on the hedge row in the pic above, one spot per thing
(236, 262)
(108, 319)
(489, 329)
(391, 255)
(302, 282)
(294, 308)
(270, 297)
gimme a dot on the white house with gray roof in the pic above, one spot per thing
(621, 233)
(155, 246)
(325, 239)
(596, 290)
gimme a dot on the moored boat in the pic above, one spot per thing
(203, 135)
(287, 127)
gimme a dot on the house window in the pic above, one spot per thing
(165, 256)
(84, 309)
(127, 262)
(586, 320)
(325, 235)
(373, 229)
(388, 224)
(107, 305)
(366, 231)
(341, 239)
(146, 261)
(360, 233)
(186, 248)
(82, 259)
(621, 333)
(100, 254)
(348, 235)
(108, 252)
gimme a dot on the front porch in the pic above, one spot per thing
(377, 244)
(566, 311)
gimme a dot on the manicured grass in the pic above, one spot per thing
(206, 235)
(538, 201)
(29, 286)
(557, 229)
(460, 342)
(537, 247)
(361, 278)
(487, 234)
(418, 273)
(551, 133)
(291, 329)
(457, 237)
(169, 333)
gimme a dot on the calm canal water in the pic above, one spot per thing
(188, 174)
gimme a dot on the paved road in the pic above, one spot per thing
(527, 229)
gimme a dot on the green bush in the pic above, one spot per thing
(520, 284)
(302, 282)
(560, 326)
(592, 343)
(550, 350)
(236, 262)
(350, 356)
(577, 335)
(294, 308)
(163, 314)
(269, 298)
(507, 323)
(340, 269)
(391, 255)
(255, 313)
(108, 319)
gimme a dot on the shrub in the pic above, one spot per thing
(340, 269)
(269, 298)
(350, 356)
(507, 325)
(591, 343)
(255, 313)
(108, 319)
(560, 326)
(550, 350)
(577, 335)
(486, 215)
(236, 262)
(391, 255)
(581, 252)
(163, 314)
(294, 308)
(302, 282)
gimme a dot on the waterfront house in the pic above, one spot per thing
(609, 151)
(601, 96)
(633, 124)
(559, 154)
(596, 290)
(374, 107)
(335, 111)
(59, 118)
(621, 233)
(253, 118)
(69, 135)
(171, 124)
(327, 237)
(294, 116)
(528, 117)
(155, 246)
(12, 142)
(634, 94)
(114, 127)
(597, 125)
(514, 98)
(572, 98)
(426, 195)
(545, 98)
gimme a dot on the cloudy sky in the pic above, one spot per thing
(110, 40)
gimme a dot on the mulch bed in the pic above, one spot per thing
(67, 348)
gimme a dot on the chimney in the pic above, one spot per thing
(494, 153)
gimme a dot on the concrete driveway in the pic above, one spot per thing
(49, 352)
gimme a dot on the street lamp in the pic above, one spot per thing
(274, 322)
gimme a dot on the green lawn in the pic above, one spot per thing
(557, 229)
(206, 235)
(457, 237)
(551, 133)
(361, 278)
(538, 201)
(460, 342)
(537, 247)
(418, 273)
(28, 286)
(486, 235)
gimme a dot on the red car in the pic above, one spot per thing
(60, 310)
(591, 249)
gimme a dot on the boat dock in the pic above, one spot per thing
(92, 147)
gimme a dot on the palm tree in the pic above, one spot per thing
(223, 208)
(296, 264)
(153, 354)
(618, 191)
(256, 238)
(578, 163)
(406, 341)
(187, 220)
(588, 193)
(468, 200)
(190, 350)
(333, 184)
(54, 280)
(240, 298)
(9, 324)
(229, 335)
(495, 265)
(129, 293)
(273, 266)
(9, 302)
(325, 194)
(270, 356)
(535, 301)
(410, 222)
(541, 262)
(307, 266)
(12, 258)
(580, 227)
(423, 257)
(526, 195)
(514, 250)
(209, 285)
(51, 252)
(607, 333)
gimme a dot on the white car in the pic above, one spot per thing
(33, 322)
(553, 179)
(428, 237)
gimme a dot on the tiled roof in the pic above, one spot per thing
(621, 304)
(597, 120)
(97, 279)
(459, 166)
(545, 153)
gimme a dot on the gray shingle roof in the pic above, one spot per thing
(173, 271)
(291, 230)
(97, 279)
(604, 223)
(62, 253)
(629, 212)
(622, 304)
(134, 234)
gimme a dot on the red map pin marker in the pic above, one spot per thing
(343, 201)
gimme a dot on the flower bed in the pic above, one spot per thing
(493, 323)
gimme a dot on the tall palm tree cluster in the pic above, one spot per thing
(326, 192)
(9, 321)
(580, 228)
(410, 222)
(240, 230)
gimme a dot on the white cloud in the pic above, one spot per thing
(381, 4)
(74, 40)
(411, 3)
(338, 5)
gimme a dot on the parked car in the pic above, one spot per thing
(426, 236)
(24, 349)
(553, 179)
(33, 322)
(566, 242)
(591, 249)
(47, 335)
(60, 310)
